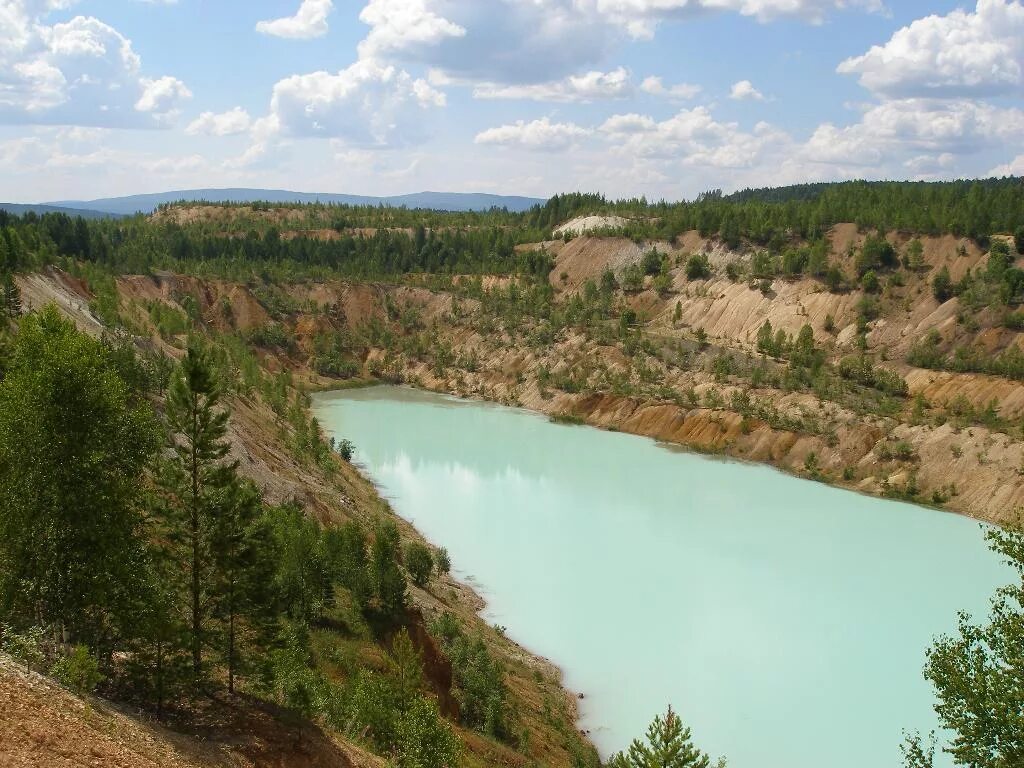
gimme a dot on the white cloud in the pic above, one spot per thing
(538, 135)
(592, 86)
(680, 91)
(81, 71)
(366, 104)
(228, 123)
(1013, 168)
(540, 41)
(956, 55)
(745, 89)
(162, 95)
(693, 137)
(309, 21)
(914, 125)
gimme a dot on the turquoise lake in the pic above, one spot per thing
(786, 621)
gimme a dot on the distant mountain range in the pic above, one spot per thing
(126, 206)
(20, 209)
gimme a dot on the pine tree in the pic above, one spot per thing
(668, 745)
(195, 477)
(386, 578)
(10, 296)
(243, 572)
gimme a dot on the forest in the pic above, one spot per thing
(173, 581)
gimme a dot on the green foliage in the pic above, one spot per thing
(698, 267)
(302, 582)
(1018, 239)
(78, 670)
(423, 739)
(418, 562)
(869, 282)
(480, 686)
(70, 429)
(942, 285)
(346, 449)
(193, 480)
(978, 677)
(668, 745)
(442, 561)
(877, 253)
(387, 582)
(917, 754)
(26, 645)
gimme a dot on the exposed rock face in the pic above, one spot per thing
(915, 451)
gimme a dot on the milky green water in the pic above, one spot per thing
(785, 620)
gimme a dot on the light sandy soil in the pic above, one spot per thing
(583, 224)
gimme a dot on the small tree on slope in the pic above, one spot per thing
(668, 745)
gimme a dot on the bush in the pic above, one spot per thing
(79, 670)
(698, 267)
(26, 646)
(869, 282)
(346, 449)
(942, 285)
(1018, 240)
(419, 563)
(442, 562)
(424, 739)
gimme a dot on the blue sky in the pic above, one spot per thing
(663, 98)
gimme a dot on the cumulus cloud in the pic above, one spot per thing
(309, 21)
(693, 137)
(516, 42)
(1013, 168)
(82, 71)
(916, 126)
(960, 54)
(745, 90)
(538, 135)
(367, 104)
(228, 123)
(680, 91)
(162, 95)
(592, 86)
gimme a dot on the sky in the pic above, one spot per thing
(656, 98)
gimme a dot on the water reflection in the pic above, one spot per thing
(785, 619)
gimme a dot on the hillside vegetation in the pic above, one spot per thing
(865, 335)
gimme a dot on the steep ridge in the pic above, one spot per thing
(445, 339)
(246, 732)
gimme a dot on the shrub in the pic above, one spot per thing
(346, 449)
(78, 670)
(419, 562)
(869, 282)
(1018, 240)
(442, 562)
(942, 285)
(698, 267)
(423, 738)
(26, 646)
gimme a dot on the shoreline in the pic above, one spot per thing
(462, 582)
(667, 444)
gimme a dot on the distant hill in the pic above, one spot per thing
(441, 201)
(20, 209)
